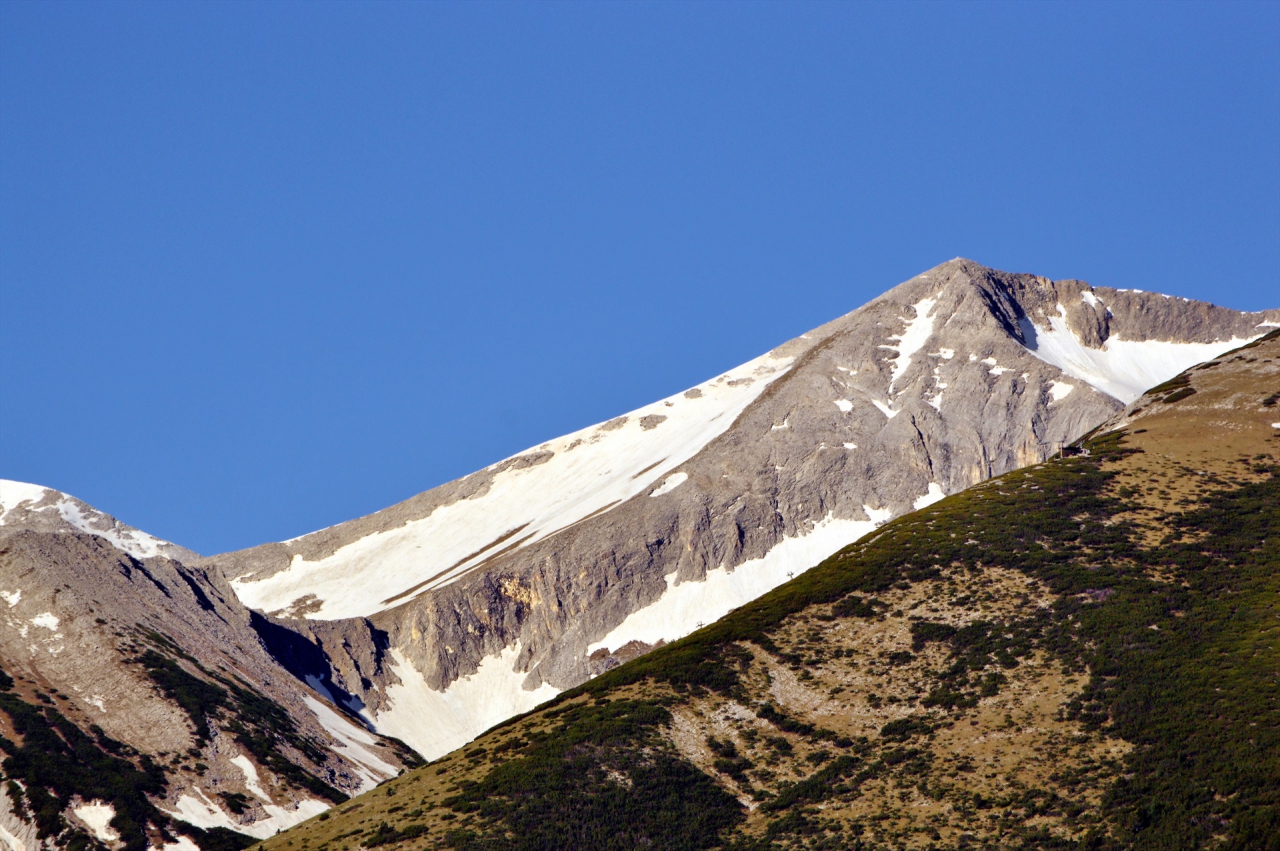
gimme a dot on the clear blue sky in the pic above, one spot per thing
(266, 267)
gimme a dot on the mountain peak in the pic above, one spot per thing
(558, 562)
(48, 510)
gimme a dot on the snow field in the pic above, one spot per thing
(1124, 369)
(589, 471)
(672, 482)
(929, 497)
(13, 842)
(435, 723)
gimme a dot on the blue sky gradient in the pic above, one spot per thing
(267, 267)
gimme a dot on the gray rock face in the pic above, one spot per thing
(957, 375)
(85, 597)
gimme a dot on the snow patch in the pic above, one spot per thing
(1059, 390)
(250, 772)
(435, 723)
(884, 408)
(673, 481)
(12, 598)
(200, 811)
(132, 541)
(1123, 369)
(844, 405)
(97, 817)
(46, 620)
(685, 607)
(1090, 299)
(944, 353)
(183, 843)
(995, 369)
(609, 463)
(912, 339)
(930, 497)
(850, 446)
(355, 744)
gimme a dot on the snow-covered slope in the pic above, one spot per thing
(1121, 368)
(530, 497)
(45, 508)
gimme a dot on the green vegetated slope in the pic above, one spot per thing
(1082, 654)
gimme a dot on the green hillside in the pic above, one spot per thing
(1082, 654)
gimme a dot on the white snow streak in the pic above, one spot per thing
(1090, 299)
(673, 481)
(605, 466)
(435, 723)
(689, 605)
(884, 408)
(1121, 368)
(355, 744)
(995, 370)
(912, 339)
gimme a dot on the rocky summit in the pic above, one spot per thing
(154, 698)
